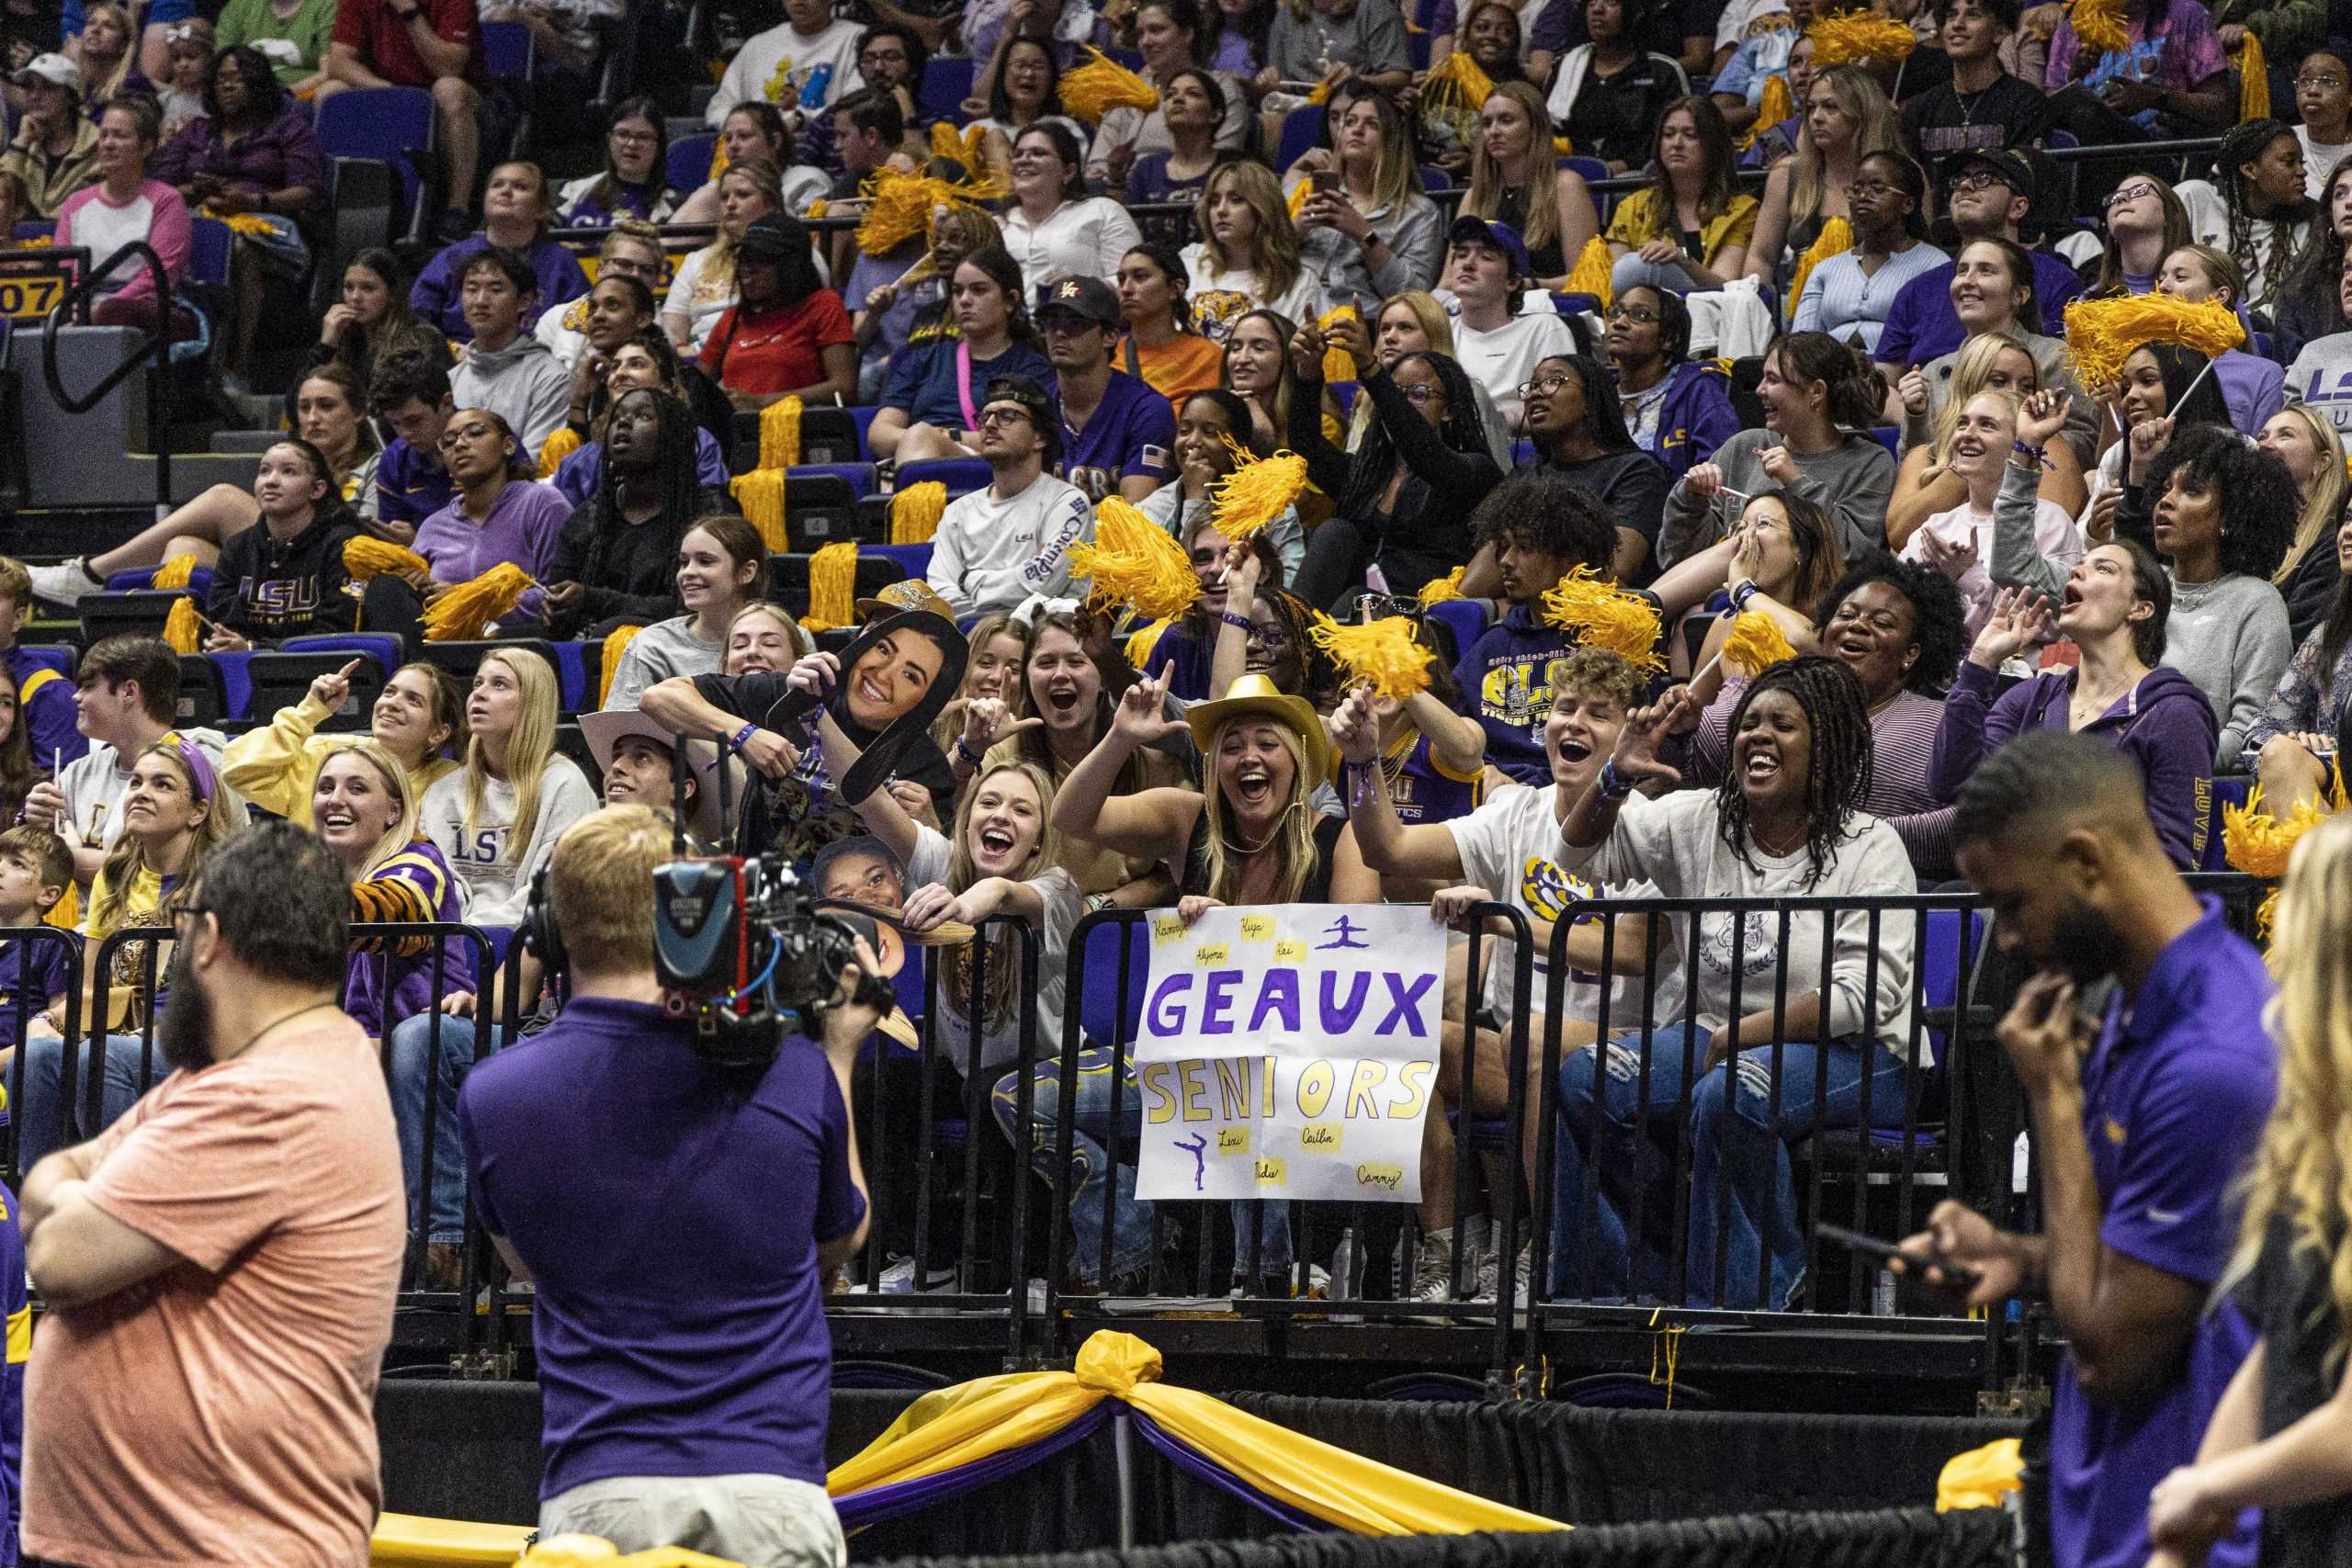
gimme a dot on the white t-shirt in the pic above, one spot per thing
(1499, 360)
(494, 884)
(2209, 221)
(94, 784)
(1731, 28)
(1511, 847)
(783, 68)
(2054, 535)
(1065, 906)
(1086, 237)
(991, 555)
(2320, 159)
(1221, 296)
(1675, 843)
(702, 301)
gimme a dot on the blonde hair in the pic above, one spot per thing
(803, 644)
(1541, 225)
(1293, 841)
(763, 177)
(985, 630)
(2320, 512)
(101, 93)
(1436, 325)
(1971, 370)
(1273, 249)
(995, 1004)
(2222, 269)
(1876, 129)
(1947, 422)
(378, 756)
(528, 749)
(2301, 1172)
(600, 883)
(127, 862)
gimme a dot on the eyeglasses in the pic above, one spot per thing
(883, 56)
(1543, 387)
(991, 418)
(1639, 315)
(634, 138)
(1870, 190)
(1979, 179)
(2129, 193)
(2324, 81)
(450, 439)
(1268, 637)
(1420, 394)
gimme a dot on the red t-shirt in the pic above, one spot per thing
(778, 350)
(381, 40)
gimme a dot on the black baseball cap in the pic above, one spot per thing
(2011, 165)
(1088, 297)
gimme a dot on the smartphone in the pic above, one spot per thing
(1321, 181)
(1872, 1246)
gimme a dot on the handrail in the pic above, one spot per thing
(78, 298)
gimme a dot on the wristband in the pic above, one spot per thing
(1741, 592)
(1364, 779)
(1611, 786)
(1241, 623)
(741, 735)
(2032, 455)
(966, 753)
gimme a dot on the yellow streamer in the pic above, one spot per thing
(915, 513)
(1132, 562)
(1295, 202)
(561, 443)
(1772, 106)
(718, 156)
(832, 584)
(181, 628)
(174, 574)
(780, 434)
(1256, 492)
(1382, 654)
(1606, 616)
(1859, 34)
(1438, 590)
(2253, 80)
(761, 495)
(1142, 640)
(466, 610)
(240, 222)
(2099, 25)
(66, 913)
(2256, 842)
(1592, 275)
(365, 557)
(616, 644)
(1756, 642)
(1836, 237)
(2102, 334)
(1101, 84)
(898, 206)
(1457, 88)
(1339, 365)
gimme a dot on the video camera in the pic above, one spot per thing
(744, 948)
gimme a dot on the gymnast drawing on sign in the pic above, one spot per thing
(1345, 930)
(1198, 1147)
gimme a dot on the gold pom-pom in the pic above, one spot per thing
(1859, 34)
(832, 585)
(1457, 87)
(962, 147)
(817, 209)
(2102, 334)
(465, 610)
(2099, 25)
(915, 513)
(1591, 274)
(1772, 106)
(1438, 590)
(562, 443)
(365, 557)
(1756, 642)
(1337, 363)
(1382, 654)
(1836, 237)
(174, 574)
(761, 495)
(718, 157)
(1295, 202)
(247, 223)
(780, 434)
(898, 206)
(1134, 562)
(1142, 640)
(615, 644)
(66, 913)
(181, 628)
(1101, 84)
(1606, 616)
(2256, 843)
(2253, 80)
(1257, 490)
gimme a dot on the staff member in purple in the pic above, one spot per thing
(1117, 432)
(2147, 1094)
(684, 1364)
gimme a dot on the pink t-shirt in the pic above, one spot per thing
(222, 1411)
(156, 215)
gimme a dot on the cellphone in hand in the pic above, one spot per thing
(1886, 1251)
(1321, 181)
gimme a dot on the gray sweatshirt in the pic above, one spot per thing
(662, 650)
(2230, 637)
(522, 384)
(1851, 481)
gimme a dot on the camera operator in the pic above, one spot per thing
(680, 1221)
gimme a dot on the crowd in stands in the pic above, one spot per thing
(1686, 299)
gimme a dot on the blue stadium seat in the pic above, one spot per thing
(1576, 304)
(210, 241)
(199, 582)
(1416, 51)
(2232, 790)
(279, 679)
(1107, 1016)
(392, 126)
(689, 163)
(1435, 179)
(1467, 619)
(574, 676)
(383, 647)
(35, 229)
(1300, 127)
(1587, 168)
(945, 85)
(1889, 437)
(859, 477)
(960, 475)
(915, 560)
(507, 49)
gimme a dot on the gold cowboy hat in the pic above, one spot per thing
(1258, 694)
(907, 593)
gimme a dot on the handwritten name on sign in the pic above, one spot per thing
(1289, 1052)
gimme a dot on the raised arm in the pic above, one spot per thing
(1424, 853)
(1974, 725)
(1154, 823)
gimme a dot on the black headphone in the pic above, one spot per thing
(538, 930)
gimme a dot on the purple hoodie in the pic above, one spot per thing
(2164, 724)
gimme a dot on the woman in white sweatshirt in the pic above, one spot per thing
(496, 820)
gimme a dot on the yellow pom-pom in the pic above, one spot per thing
(761, 495)
(2099, 25)
(817, 209)
(1606, 616)
(615, 644)
(1257, 490)
(466, 610)
(2253, 80)
(1142, 640)
(718, 157)
(2256, 843)
(898, 206)
(173, 573)
(1295, 202)
(1320, 94)
(1382, 654)
(1101, 85)
(780, 434)
(181, 628)
(1456, 89)
(1772, 106)
(915, 513)
(1836, 237)
(1591, 273)
(1859, 34)
(365, 557)
(240, 222)
(1756, 642)
(1134, 562)
(2102, 334)
(1438, 590)
(1338, 364)
(832, 584)
(561, 443)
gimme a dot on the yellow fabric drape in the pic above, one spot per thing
(562, 443)
(2253, 80)
(1980, 1477)
(761, 495)
(915, 513)
(1591, 273)
(615, 644)
(1836, 238)
(780, 434)
(832, 582)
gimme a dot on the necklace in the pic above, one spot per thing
(1968, 102)
(1769, 847)
(255, 1038)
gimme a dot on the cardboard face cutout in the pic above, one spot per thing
(896, 677)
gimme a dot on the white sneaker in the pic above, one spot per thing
(1433, 1267)
(68, 584)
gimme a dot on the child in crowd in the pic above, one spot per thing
(36, 868)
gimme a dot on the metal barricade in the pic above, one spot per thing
(21, 1008)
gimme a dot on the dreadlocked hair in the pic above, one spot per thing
(1319, 678)
(1375, 460)
(1838, 759)
(673, 474)
(2243, 145)
(995, 983)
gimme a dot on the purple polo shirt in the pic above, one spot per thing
(2174, 1098)
(410, 486)
(680, 1321)
(1920, 324)
(1131, 432)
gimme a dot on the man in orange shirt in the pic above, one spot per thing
(219, 1265)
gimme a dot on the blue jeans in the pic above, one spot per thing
(1096, 1177)
(37, 1119)
(413, 1042)
(1592, 1258)
(1630, 271)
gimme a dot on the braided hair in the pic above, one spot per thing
(2242, 145)
(1838, 770)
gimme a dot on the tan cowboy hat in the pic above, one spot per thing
(907, 593)
(604, 731)
(1258, 694)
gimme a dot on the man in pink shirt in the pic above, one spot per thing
(219, 1265)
